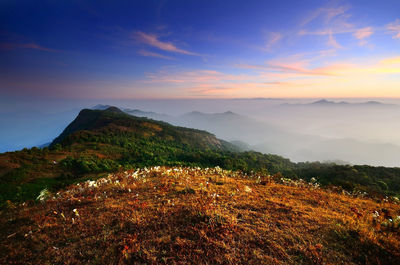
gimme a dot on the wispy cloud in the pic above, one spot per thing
(394, 29)
(332, 41)
(327, 14)
(195, 76)
(153, 41)
(328, 21)
(34, 46)
(154, 54)
(332, 79)
(282, 70)
(297, 67)
(362, 34)
(272, 39)
(204, 82)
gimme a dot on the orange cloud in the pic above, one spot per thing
(300, 68)
(362, 34)
(394, 29)
(152, 40)
(197, 76)
(294, 77)
(296, 67)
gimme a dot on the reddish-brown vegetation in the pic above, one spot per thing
(211, 216)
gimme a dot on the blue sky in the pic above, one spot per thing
(199, 49)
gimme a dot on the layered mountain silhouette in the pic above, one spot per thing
(252, 134)
(330, 103)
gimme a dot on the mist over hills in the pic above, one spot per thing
(22, 128)
(329, 103)
(100, 141)
(294, 128)
(255, 134)
(148, 114)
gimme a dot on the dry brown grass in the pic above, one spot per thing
(184, 215)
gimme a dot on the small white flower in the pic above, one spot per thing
(76, 212)
(92, 183)
(375, 214)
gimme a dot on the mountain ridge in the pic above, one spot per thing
(327, 103)
(88, 119)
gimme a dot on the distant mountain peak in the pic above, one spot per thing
(230, 113)
(323, 101)
(107, 108)
(373, 102)
(88, 119)
(115, 121)
(100, 107)
(113, 109)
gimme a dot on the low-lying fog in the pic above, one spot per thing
(356, 131)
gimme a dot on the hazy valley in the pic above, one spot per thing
(355, 133)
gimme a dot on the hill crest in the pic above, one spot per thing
(194, 216)
(112, 120)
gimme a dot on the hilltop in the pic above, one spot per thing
(210, 216)
(115, 122)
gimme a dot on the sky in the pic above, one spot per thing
(199, 49)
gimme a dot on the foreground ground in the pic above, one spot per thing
(188, 215)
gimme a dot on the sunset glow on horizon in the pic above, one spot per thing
(200, 49)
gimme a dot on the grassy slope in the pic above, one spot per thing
(167, 215)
